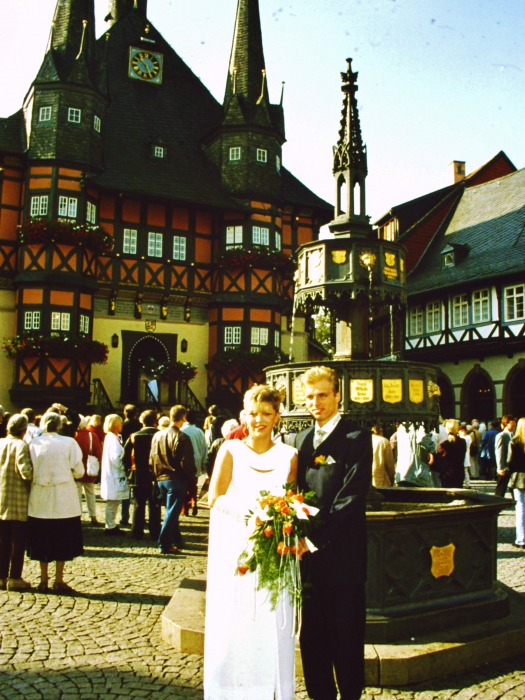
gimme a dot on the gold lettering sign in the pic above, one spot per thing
(390, 272)
(415, 390)
(362, 390)
(390, 259)
(392, 390)
(298, 392)
(442, 560)
(339, 256)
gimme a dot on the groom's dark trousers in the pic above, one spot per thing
(334, 611)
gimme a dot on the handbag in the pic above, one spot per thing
(93, 465)
(517, 480)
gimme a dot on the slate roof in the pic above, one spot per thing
(489, 224)
(13, 133)
(408, 213)
(294, 192)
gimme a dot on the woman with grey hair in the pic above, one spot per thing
(55, 531)
(16, 472)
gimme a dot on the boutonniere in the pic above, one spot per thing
(322, 461)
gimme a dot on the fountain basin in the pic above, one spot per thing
(432, 557)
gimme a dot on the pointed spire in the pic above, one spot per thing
(70, 33)
(350, 165)
(247, 71)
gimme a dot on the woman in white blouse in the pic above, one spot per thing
(55, 530)
(113, 483)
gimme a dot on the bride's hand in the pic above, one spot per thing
(302, 548)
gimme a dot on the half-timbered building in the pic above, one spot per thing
(117, 137)
(466, 287)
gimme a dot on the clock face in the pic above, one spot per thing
(145, 65)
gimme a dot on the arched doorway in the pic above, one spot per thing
(477, 397)
(447, 400)
(514, 391)
(137, 348)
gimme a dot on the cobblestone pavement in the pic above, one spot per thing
(106, 643)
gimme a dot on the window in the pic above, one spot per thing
(59, 321)
(39, 205)
(159, 151)
(515, 302)
(278, 241)
(97, 124)
(460, 310)
(31, 320)
(448, 260)
(84, 323)
(67, 207)
(235, 153)
(260, 235)
(481, 306)
(259, 336)
(155, 245)
(129, 244)
(278, 164)
(262, 155)
(416, 320)
(179, 247)
(45, 114)
(232, 335)
(277, 339)
(91, 213)
(74, 115)
(234, 237)
(433, 316)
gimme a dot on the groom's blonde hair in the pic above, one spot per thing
(320, 374)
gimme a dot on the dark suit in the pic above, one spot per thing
(334, 611)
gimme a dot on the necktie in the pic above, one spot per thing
(318, 438)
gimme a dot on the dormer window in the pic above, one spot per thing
(97, 124)
(45, 114)
(448, 259)
(454, 253)
(235, 153)
(262, 155)
(159, 151)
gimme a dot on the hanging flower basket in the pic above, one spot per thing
(45, 231)
(175, 371)
(239, 358)
(240, 258)
(57, 346)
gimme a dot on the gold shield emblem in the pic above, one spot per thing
(339, 256)
(442, 560)
(150, 326)
(390, 259)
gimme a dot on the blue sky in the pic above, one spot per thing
(438, 79)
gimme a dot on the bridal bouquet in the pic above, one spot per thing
(276, 525)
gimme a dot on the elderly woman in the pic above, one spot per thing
(16, 472)
(55, 531)
(113, 483)
(90, 445)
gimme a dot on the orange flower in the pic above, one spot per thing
(243, 569)
(282, 549)
(268, 531)
(287, 528)
(258, 521)
(284, 509)
(321, 459)
(298, 497)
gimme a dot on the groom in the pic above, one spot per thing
(335, 461)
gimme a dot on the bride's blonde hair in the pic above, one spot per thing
(262, 393)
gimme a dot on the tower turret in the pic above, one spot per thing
(119, 8)
(246, 145)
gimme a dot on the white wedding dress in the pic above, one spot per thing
(249, 649)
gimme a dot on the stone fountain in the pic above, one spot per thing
(432, 552)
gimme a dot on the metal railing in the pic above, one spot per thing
(100, 399)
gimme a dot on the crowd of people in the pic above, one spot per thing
(49, 463)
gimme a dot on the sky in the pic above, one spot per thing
(439, 80)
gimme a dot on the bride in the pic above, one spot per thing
(249, 649)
